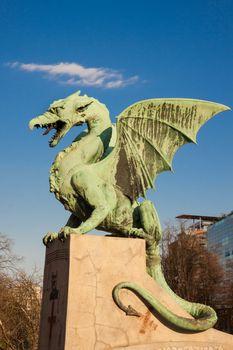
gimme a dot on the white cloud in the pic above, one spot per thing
(75, 74)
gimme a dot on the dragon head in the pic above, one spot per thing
(62, 115)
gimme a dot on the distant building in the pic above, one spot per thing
(198, 225)
(216, 234)
(220, 240)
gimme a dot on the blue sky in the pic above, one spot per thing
(119, 52)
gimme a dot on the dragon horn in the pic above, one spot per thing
(75, 94)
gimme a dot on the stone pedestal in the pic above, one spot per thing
(78, 312)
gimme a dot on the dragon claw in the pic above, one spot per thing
(64, 233)
(137, 232)
(49, 237)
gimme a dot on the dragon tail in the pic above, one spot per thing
(204, 316)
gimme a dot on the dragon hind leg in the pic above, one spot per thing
(148, 221)
(151, 225)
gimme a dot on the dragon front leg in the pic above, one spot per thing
(97, 194)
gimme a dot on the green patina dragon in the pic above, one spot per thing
(100, 176)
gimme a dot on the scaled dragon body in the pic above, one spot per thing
(100, 176)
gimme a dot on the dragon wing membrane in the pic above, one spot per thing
(148, 135)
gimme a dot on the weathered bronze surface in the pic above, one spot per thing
(100, 176)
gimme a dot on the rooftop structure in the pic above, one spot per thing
(198, 225)
(198, 217)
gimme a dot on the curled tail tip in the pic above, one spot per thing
(132, 312)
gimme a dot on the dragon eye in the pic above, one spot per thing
(55, 109)
(81, 109)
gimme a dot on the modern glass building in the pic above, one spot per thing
(220, 240)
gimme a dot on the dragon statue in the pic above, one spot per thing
(104, 171)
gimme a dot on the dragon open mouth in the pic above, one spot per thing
(60, 128)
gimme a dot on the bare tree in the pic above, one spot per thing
(8, 260)
(224, 300)
(20, 296)
(190, 269)
(195, 274)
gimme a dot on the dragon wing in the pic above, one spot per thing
(148, 135)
